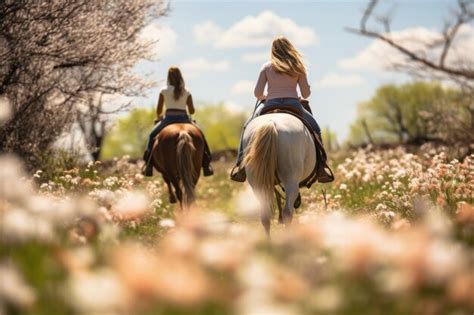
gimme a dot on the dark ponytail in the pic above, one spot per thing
(176, 79)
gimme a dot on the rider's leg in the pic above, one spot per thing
(206, 160)
(148, 170)
(207, 157)
(324, 173)
(238, 173)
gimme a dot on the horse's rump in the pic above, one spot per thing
(166, 144)
(177, 155)
(295, 146)
(278, 148)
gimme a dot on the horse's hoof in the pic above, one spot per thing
(280, 219)
(298, 201)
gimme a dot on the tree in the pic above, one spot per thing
(129, 134)
(413, 113)
(442, 56)
(330, 139)
(92, 121)
(221, 125)
(434, 56)
(55, 54)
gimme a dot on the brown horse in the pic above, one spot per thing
(177, 154)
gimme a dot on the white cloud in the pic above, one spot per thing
(379, 56)
(243, 87)
(255, 57)
(206, 32)
(164, 38)
(193, 67)
(335, 79)
(255, 31)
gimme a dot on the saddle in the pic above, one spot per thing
(321, 156)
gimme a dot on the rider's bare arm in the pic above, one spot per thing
(159, 108)
(260, 86)
(304, 86)
(189, 102)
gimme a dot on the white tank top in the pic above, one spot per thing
(171, 102)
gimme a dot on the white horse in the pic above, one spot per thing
(279, 149)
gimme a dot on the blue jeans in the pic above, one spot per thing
(167, 120)
(275, 102)
(289, 101)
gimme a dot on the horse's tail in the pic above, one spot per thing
(186, 171)
(261, 161)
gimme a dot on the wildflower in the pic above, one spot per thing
(167, 223)
(460, 289)
(97, 292)
(18, 225)
(172, 280)
(327, 299)
(11, 171)
(222, 254)
(465, 213)
(13, 288)
(131, 205)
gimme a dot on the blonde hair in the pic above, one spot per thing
(286, 59)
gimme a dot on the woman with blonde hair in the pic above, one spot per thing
(282, 75)
(178, 103)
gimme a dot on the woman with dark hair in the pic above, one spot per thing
(178, 103)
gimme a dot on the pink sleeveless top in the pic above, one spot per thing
(280, 85)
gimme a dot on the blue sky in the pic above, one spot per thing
(221, 45)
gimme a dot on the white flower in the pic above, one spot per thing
(131, 205)
(167, 223)
(13, 288)
(19, 225)
(13, 188)
(99, 292)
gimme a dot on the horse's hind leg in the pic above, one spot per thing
(170, 190)
(298, 201)
(179, 193)
(292, 191)
(266, 221)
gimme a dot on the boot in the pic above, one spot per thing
(207, 158)
(148, 170)
(146, 155)
(148, 167)
(324, 173)
(207, 170)
(238, 174)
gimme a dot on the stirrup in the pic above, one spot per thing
(238, 174)
(325, 174)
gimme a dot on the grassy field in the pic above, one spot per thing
(393, 235)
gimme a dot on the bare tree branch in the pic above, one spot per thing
(55, 55)
(463, 16)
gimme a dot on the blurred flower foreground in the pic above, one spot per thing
(393, 235)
